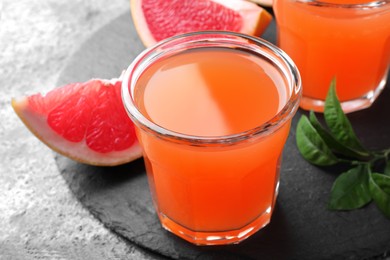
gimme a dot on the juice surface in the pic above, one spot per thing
(209, 93)
(350, 44)
(212, 92)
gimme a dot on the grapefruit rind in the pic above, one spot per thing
(255, 19)
(37, 124)
(140, 22)
(267, 3)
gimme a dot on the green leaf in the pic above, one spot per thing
(312, 146)
(350, 190)
(333, 143)
(379, 185)
(338, 122)
(387, 168)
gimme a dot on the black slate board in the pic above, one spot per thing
(301, 227)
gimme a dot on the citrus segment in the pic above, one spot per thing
(84, 121)
(156, 20)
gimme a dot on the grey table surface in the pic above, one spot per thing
(39, 216)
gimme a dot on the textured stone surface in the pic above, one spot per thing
(39, 216)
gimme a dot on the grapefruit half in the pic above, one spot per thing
(83, 121)
(156, 20)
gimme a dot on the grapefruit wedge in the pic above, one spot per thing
(83, 121)
(156, 20)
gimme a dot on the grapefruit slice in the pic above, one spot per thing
(156, 20)
(83, 121)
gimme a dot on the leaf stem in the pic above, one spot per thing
(338, 143)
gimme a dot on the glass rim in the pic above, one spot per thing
(286, 112)
(324, 3)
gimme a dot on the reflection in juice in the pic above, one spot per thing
(327, 41)
(204, 191)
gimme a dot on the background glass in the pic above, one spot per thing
(346, 39)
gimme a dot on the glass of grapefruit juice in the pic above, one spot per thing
(212, 112)
(344, 39)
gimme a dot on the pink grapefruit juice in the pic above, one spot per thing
(212, 166)
(325, 40)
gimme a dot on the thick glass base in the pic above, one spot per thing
(349, 106)
(216, 238)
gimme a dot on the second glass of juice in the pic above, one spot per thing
(213, 112)
(348, 40)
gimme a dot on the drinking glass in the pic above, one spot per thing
(348, 40)
(213, 178)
